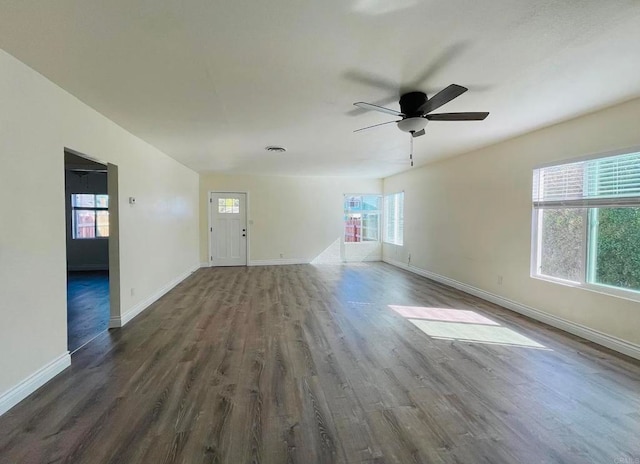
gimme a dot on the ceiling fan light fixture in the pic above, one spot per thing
(412, 124)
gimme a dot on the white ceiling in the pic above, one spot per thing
(211, 83)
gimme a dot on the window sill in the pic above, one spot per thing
(601, 289)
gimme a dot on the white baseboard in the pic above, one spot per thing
(609, 341)
(29, 385)
(123, 319)
(368, 259)
(284, 262)
(204, 264)
(277, 262)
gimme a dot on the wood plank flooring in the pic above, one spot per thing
(87, 306)
(330, 364)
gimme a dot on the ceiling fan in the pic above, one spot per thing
(415, 110)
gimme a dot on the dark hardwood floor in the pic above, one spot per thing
(87, 306)
(330, 364)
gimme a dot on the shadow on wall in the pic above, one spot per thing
(381, 7)
(364, 251)
(330, 255)
(339, 252)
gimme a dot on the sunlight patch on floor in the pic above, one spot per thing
(463, 325)
(442, 314)
(474, 333)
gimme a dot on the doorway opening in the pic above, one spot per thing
(89, 227)
(228, 230)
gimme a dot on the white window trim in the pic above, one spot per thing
(88, 208)
(396, 225)
(372, 211)
(606, 154)
(602, 289)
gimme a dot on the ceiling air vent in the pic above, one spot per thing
(276, 149)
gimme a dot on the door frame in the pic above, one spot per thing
(210, 194)
(114, 237)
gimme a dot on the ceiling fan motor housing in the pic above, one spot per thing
(411, 102)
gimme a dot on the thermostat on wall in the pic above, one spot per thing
(132, 200)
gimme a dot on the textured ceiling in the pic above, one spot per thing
(211, 83)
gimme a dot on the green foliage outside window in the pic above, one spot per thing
(562, 254)
(615, 236)
(618, 247)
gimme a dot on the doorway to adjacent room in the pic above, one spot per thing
(88, 228)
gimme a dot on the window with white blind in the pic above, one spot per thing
(394, 218)
(586, 223)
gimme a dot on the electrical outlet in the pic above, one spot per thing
(499, 280)
(282, 255)
(409, 259)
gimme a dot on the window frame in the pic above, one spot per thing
(536, 250)
(400, 218)
(378, 212)
(589, 239)
(235, 206)
(94, 209)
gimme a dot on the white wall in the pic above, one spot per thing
(298, 217)
(158, 237)
(469, 218)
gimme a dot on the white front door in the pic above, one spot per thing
(228, 229)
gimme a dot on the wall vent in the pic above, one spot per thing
(275, 148)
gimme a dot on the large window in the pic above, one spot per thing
(394, 218)
(587, 222)
(362, 218)
(89, 215)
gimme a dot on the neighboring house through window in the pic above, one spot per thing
(90, 215)
(362, 218)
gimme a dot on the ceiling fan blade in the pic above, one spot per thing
(376, 125)
(382, 109)
(442, 97)
(457, 116)
(418, 134)
(383, 101)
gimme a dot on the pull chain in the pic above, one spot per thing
(411, 151)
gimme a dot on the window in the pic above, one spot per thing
(90, 215)
(362, 218)
(394, 218)
(587, 222)
(228, 205)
